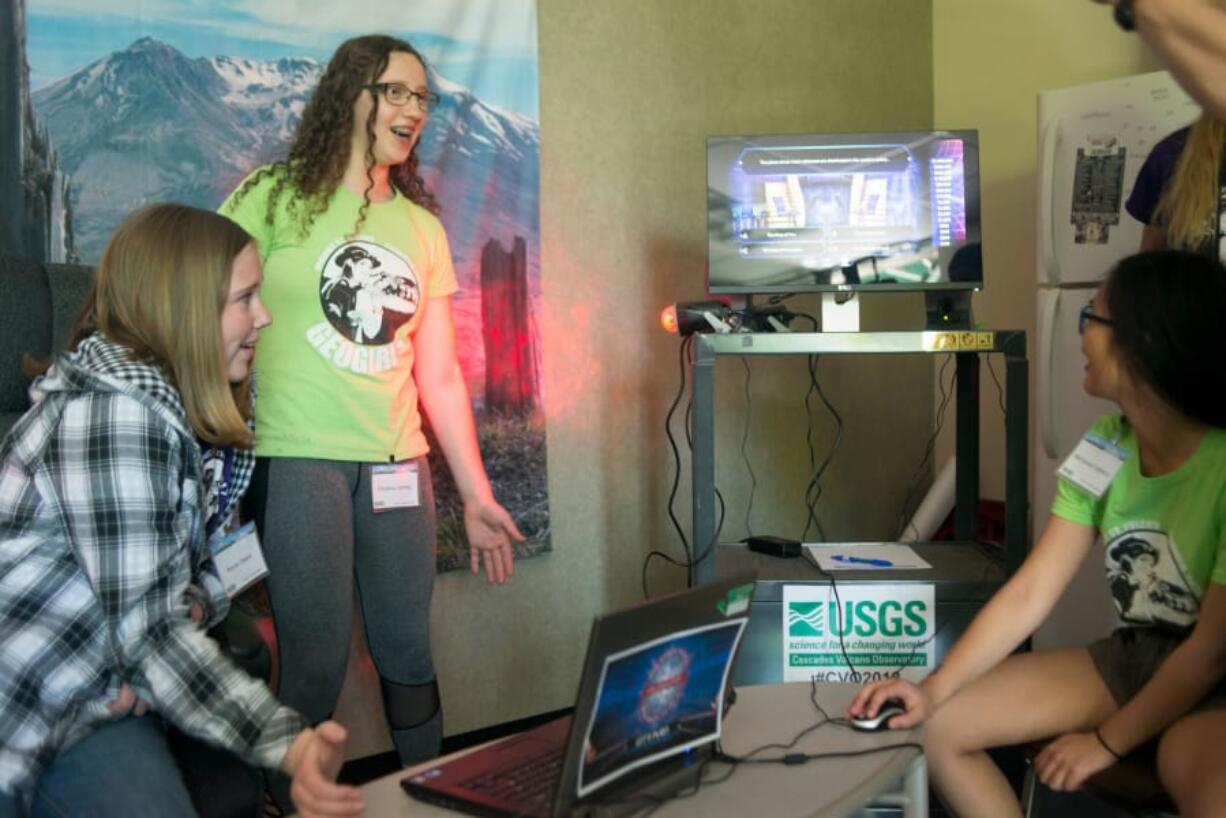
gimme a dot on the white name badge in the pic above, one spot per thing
(394, 485)
(1093, 464)
(239, 560)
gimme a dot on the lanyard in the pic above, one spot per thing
(227, 476)
(222, 488)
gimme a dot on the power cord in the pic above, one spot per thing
(687, 344)
(688, 562)
(753, 478)
(929, 447)
(773, 318)
(1000, 390)
(813, 491)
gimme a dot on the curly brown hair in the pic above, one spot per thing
(319, 152)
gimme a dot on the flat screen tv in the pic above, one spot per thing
(844, 212)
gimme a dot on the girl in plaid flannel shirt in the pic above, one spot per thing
(106, 577)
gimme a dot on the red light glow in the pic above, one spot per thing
(668, 318)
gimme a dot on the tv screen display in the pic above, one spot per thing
(840, 212)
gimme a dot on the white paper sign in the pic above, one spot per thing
(239, 560)
(887, 630)
(1093, 464)
(394, 486)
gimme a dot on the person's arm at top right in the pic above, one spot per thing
(1190, 37)
(1009, 617)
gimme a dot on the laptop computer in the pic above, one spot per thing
(647, 715)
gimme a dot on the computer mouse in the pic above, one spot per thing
(889, 708)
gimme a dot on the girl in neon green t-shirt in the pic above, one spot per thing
(358, 272)
(1152, 483)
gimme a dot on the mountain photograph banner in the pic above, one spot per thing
(129, 102)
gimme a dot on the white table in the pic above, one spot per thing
(763, 714)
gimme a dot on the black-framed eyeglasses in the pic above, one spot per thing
(394, 93)
(1087, 315)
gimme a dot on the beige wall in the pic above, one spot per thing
(990, 59)
(629, 91)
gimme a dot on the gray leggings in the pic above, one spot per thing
(321, 540)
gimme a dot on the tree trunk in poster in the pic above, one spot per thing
(510, 362)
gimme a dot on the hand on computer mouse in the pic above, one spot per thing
(913, 702)
(881, 719)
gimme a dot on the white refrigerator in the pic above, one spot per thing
(1092, 141)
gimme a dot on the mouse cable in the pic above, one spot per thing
(854, 675)
(800, 758)
(788, 759)
(840, 630)
(655, 802)
(795, 759)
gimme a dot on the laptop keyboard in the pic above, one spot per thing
(531, 780)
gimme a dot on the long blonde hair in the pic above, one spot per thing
(1188, 206)
(162, 283)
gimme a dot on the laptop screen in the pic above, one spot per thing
(657, 699)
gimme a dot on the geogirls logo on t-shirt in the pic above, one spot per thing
(1148, 580)
(367, 292)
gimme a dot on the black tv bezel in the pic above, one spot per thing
(974, 216)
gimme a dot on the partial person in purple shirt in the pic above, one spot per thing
(1179, 189)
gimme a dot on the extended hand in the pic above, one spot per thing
(490, 530)
(314, 759)
(870, 698)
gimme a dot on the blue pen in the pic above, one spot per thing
(863, 561)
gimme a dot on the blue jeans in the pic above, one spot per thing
(124, 768)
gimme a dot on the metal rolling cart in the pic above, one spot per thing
(964, 572)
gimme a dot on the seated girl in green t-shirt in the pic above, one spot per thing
(1151, 482)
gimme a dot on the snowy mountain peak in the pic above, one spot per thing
(292, 75)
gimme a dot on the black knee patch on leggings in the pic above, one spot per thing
(408, 706)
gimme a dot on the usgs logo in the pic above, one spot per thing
(865, 617)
